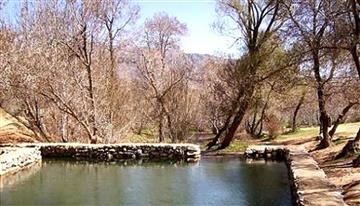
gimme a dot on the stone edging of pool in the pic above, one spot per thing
(310, 186)
(13, 160)
(20, 156)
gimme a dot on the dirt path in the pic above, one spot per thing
(340, 172)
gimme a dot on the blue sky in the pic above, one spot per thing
(198, 15)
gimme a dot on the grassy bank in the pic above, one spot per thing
(344, 130)
(302, 135)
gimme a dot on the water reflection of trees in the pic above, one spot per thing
(142, 162)
(20, 176)
(120, 182)
(210, 182)
(270, 179)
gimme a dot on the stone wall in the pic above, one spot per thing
(310, 185)
(277, 153)
(14, 159)
(21, 175)
(114, 152)
(17, 157)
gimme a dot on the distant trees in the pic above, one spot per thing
(79, 71)
(115, 16)
(77, 37)
(296, 111)
(62, 79)
(163, 72)
(61, 68)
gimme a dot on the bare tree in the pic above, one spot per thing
(309, 21)
(256, 21)
(116, 16)
(163, 69)
(346, 29)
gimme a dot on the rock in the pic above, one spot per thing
(109, 157)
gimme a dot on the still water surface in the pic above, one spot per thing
(209, 182)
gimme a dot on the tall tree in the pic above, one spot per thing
(162, 69)
(256, 21)
(309, 21)
(116, 16)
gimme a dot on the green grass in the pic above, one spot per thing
(344, 131)
(347, 129)
(302, 132)
(236, 146)
(135, 138)
(339, 141)
(147, 131)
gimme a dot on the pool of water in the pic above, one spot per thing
(209, 182)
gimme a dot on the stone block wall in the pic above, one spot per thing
(310, 186)
(114, 152)
(272, 153)
(15, 159)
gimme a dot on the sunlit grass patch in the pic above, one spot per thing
(345, 130)
(236, 146)
(302, 132)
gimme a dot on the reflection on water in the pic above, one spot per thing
(12, 179)
(209, 182)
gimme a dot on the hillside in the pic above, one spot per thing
(11, 131)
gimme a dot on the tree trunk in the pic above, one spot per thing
(63, 127)
(324, 117)
(355, 57)
(260, 122)
(357, 138)
(355, 41)
(214, 127)
(92, 118)
(171, 131)
(35, 119)
(243, 99)
(250, 125)
(351, 147)
(86, 57)
(93, 140)
(356, 162)
(113, 86)
(234, 125)
(340, 119)
(160, 129)
(214, 141)
(253, 124)
(298, 106)
(229, 135)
